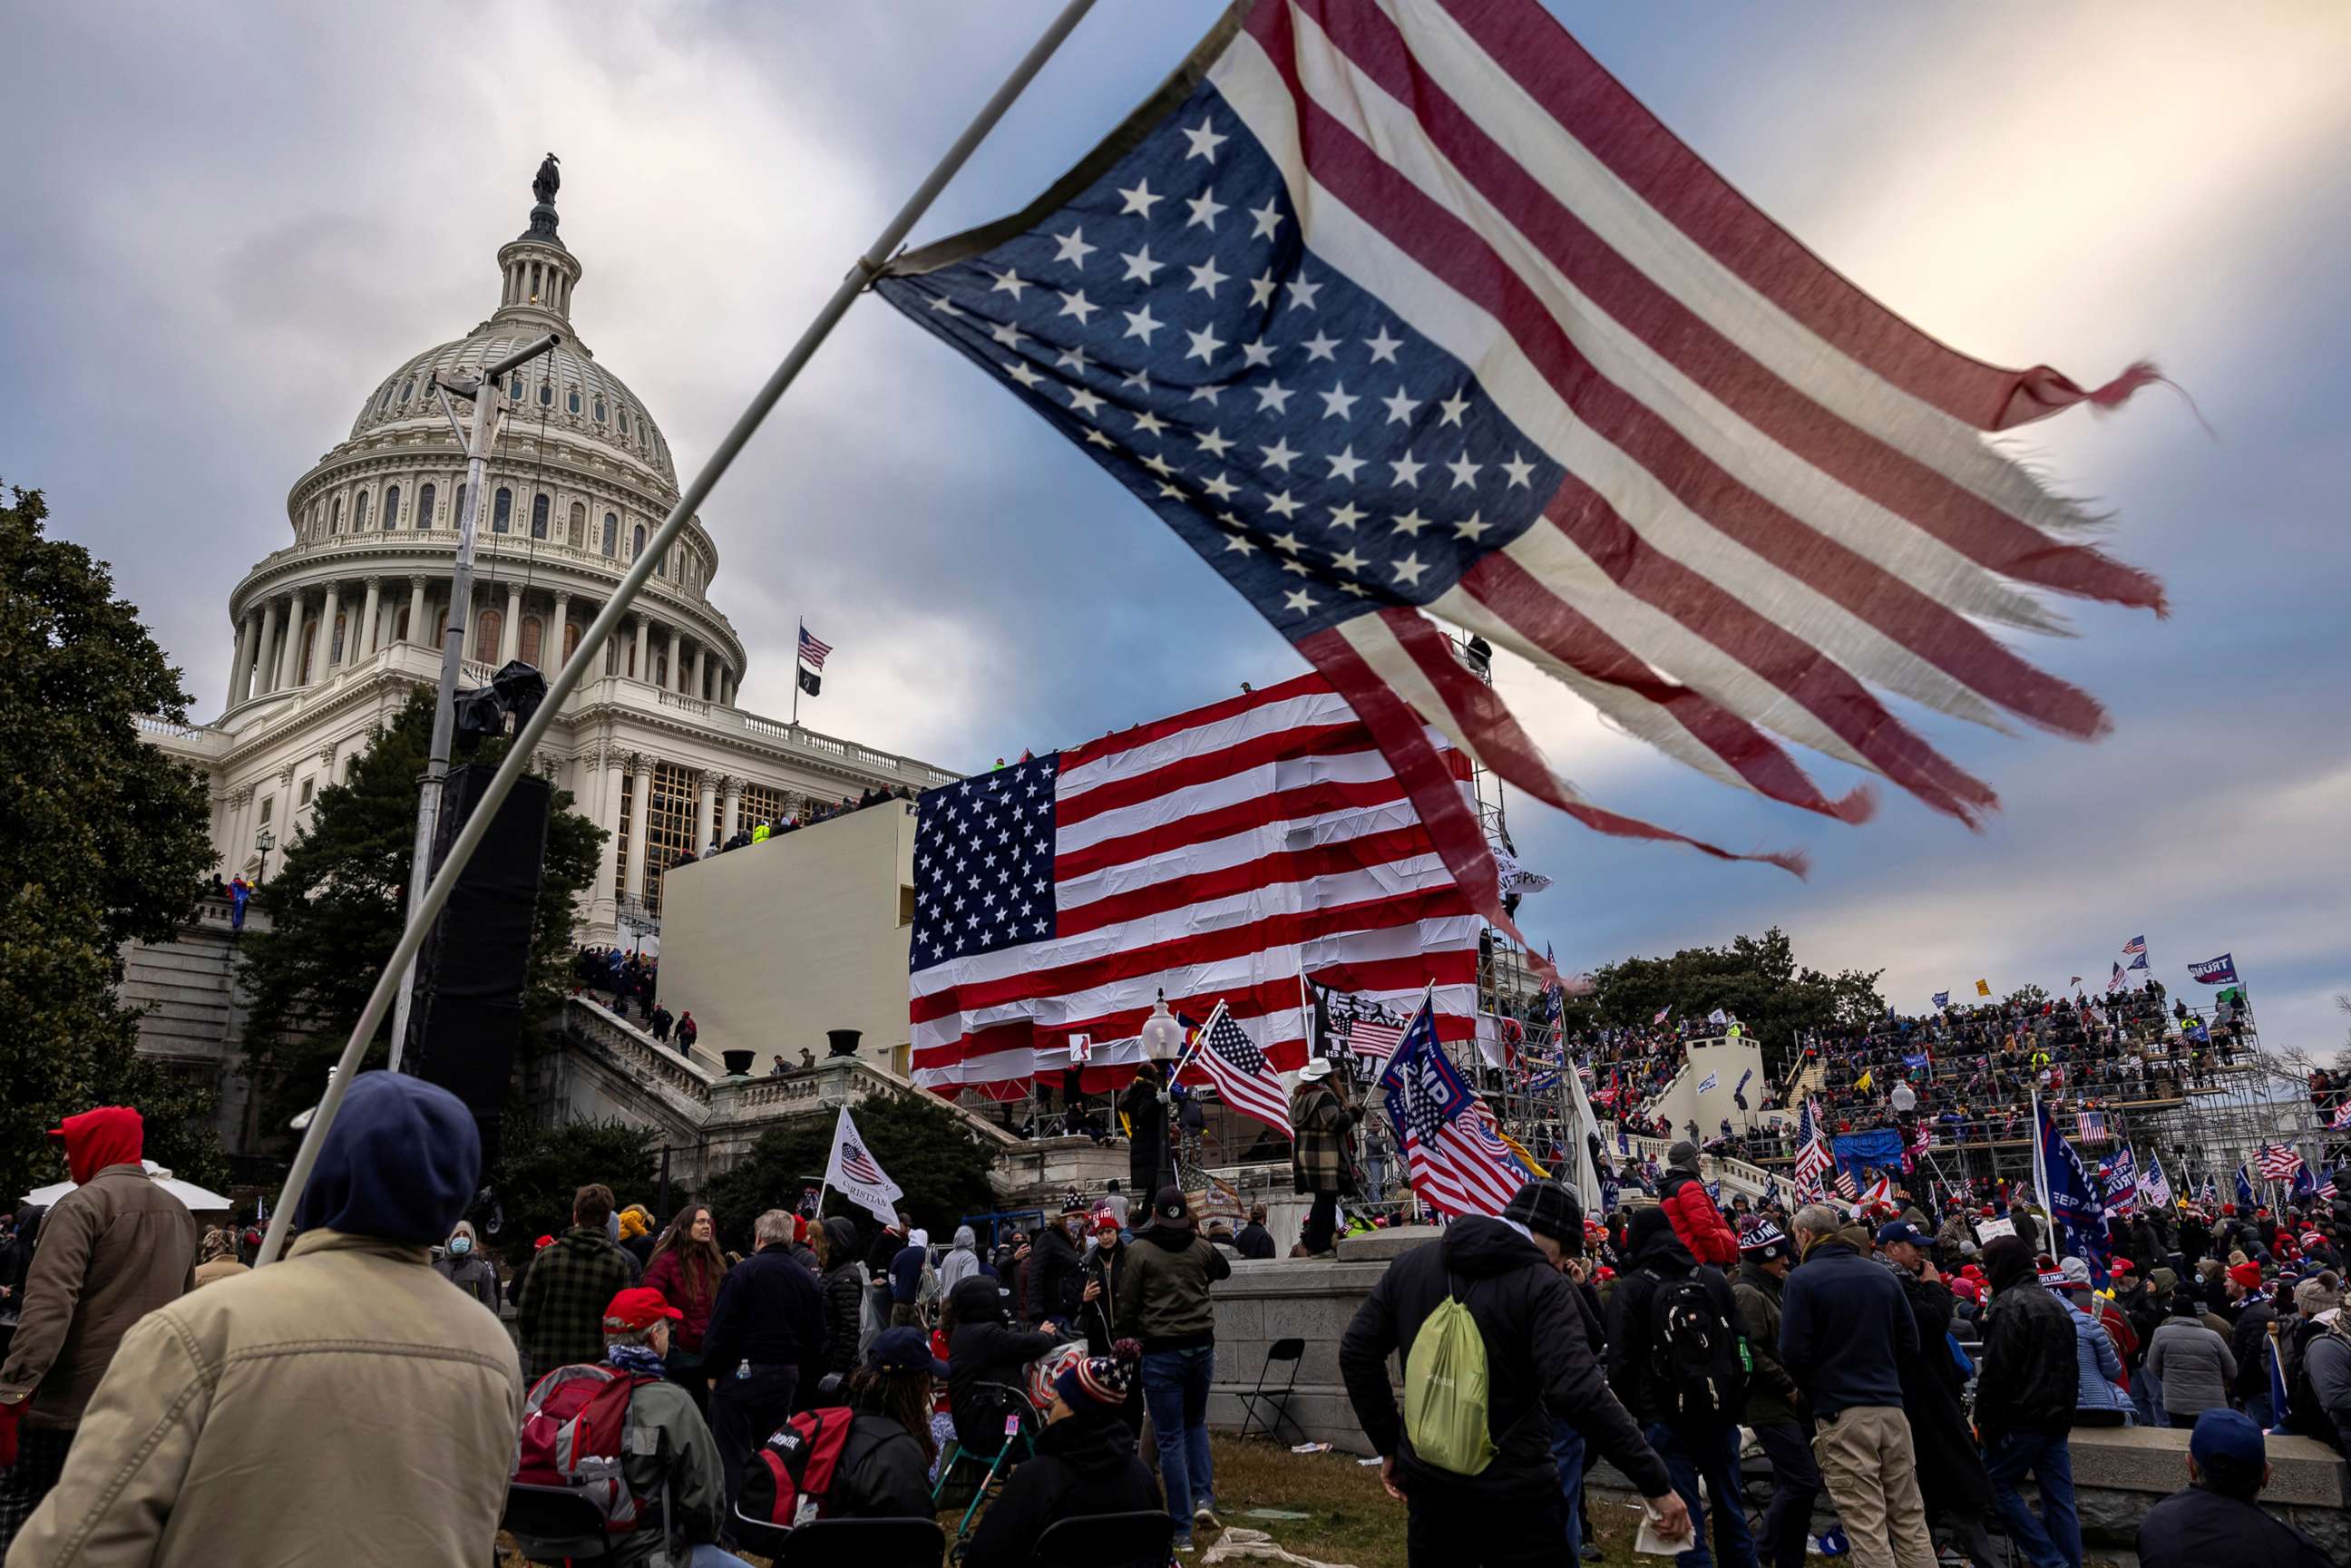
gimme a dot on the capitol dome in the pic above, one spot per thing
(578, 479)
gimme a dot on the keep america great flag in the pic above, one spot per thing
(1406, 311)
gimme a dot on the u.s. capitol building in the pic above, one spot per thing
(335, 630)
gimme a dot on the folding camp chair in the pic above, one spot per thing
(1293, 1351)
(1010, 1406)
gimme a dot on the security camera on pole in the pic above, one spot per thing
(483, 390)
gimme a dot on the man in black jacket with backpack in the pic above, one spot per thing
(1673, 1359)
(1539, 1365)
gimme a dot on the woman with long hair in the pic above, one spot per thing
(686, 1268)
(886, 1464)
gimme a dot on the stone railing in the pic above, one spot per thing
(637, 1052)
(1734, 1175)
(152, 724)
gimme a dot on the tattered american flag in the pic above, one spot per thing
(1403, 310)
(1202, 856)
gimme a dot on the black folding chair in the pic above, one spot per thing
(1293, 1351)
(1141, 1540)
(549, 1524)
(861, 1543)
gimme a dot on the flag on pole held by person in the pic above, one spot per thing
(1373, 1040)
(1245, 1079)
(1710, 1083)
(1813, 1155)
(2139, 963)
(1663, 1014)
(2073, 1197)
(2116, 984)
(2305, 1185)
(852, 1171)
(1207, 855)
(1941, 999)
(1983, 988)
(2342, 1117)
(1847, 1187)
(2154, 1187)
(2135, 948)
(2118, 1176)
(2245, 1190)
(2278, 1162)
(2219, 971)
(1458, 1162)
(1404, 311)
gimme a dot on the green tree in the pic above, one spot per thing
(932, 1155)
(541, 1168)
(103, 840)
(1755, 977)
(338, 905)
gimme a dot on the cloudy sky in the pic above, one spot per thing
(225, 223)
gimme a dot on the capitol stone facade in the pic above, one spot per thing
(335, 630)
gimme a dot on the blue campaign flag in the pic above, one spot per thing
(1941, 999)
(2219, 971)
(2071, 1194)
(1881, 1149)
(2305, 1185)
(1915, 1062)
(2245, 1189)
(1624, 1141)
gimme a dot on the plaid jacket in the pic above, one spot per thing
(1317, 1150)
(564, 1296)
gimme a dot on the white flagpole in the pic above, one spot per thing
(861, 276)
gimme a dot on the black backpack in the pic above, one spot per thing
(2303, 1414)
(1696, 1365)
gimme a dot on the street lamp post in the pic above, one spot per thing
(1163, 1042)
(265, 840)
(483, 390)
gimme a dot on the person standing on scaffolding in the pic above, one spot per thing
(1320, 1122)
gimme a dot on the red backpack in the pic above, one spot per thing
(787, 1483)
(571, 1434)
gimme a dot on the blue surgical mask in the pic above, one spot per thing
(460, 1245)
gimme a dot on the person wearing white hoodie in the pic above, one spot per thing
(961, 1262)
(911, 1282)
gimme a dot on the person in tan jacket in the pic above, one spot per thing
(345, 1404)
(112, 1250)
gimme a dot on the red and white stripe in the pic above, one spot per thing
(1214, 855)
(1258, 1094)
(1778, 500)
(1374, 1042)
(1456, 1174)
(812, 652)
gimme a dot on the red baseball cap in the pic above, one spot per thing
(637, 1307)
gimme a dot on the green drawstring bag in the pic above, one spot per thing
(1445, 1385)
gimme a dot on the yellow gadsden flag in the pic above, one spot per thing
(1983, 988)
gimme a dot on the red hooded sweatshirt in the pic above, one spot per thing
(110, 1135)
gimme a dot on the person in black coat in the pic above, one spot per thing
(1693, 1447)
(1085, 1464)
(1538, 1360)
(2217, 1521)
(1253, 1240)
(1951, 1480)
(1144, 1106)
(844, 1289)
(884, 1470)
(1057, 1270)
(2024, 1402)
(766, 1327)
(985, 1350)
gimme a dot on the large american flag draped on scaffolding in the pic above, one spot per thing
(1402, 309)
(1213, 855)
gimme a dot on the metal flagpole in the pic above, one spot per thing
(797, 642)
(868, 267)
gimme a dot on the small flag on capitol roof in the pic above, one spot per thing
(1407, 312)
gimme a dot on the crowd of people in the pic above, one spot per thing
(1910, 1366)
(759, 832)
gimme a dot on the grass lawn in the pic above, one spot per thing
(1349, 1518)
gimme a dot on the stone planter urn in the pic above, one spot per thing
(738, 1063)
(844, 1041)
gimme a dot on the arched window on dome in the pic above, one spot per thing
(570, 639)
(488, 626)
(360, 513)
(334, 517)
(572, 401)
(578, 536)
(391, 507)
(534, 631)
(539, 515)
(458, 515)
(611, 532)
(624, 419)
(637, 543)
(425, 499)
(337, 656)
(502, 510)
(406, 388)
(599, 411)
(546, 395)
(385, 401)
